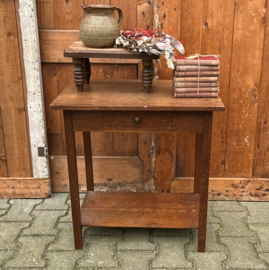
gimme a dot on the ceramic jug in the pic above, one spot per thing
(99, 27)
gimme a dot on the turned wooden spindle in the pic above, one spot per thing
(147, 75)
(87, 70)
(78, 73)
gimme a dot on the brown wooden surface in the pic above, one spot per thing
(24, 187)
(245, 83)
(161, 98)
(201, 175)
(13, 109)
(127, 176)
(79, 50)
(261, 153)
(88, 160)
(151, 210)
(207, 27)
(230, 189)
(3, 158)
(73, 178)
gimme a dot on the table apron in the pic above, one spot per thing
(138, 121)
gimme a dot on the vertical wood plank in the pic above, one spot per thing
(124, 144)
(191, 25)
(185, 154)
(245, 82)
(45, 14)
(12, 96)
(67, 14)
(145, 154)
(54, 119)
(167, 19)
(261, 151)
(165, 160)
(144, 14)
(3, 159)
(217, 38)
(129, 9)
(191, 37)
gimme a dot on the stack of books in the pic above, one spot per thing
(196, 78)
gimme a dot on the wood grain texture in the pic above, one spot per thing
(53, 43)
(23, 188)
(161, 97)
(191, 37)
(127, 177)
(145, 153)
(12, 98)
(150, 210)
(129, 9)
(217, 38)
(191, 25)
(3, 158)
(73, 178)
(245, 82)
(165, 160)
(45, 14)
(229, 189)
(144, 14)
(67, 14)
(261, 153)
(125, 144)
(54, 119)
(201, 175)
(167, 19)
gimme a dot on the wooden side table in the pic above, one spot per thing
(121, 106)
(82, 67)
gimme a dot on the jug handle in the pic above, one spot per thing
(120, 15)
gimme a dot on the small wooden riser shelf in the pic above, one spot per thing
(150, 210)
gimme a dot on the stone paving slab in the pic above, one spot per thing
(4, 204)
(38, 234)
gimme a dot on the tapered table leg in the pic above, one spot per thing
(147, 75)
(73, 178)
(88, 160)
(201, 176)
(78, 73)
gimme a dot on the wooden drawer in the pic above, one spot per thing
(137, 119)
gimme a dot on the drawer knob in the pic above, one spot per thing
(137, 119)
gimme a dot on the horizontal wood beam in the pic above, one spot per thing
(229, 189)
(53, 43)
(110, 173)
(15, 188)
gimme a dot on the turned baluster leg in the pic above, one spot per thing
(147, 75)
(78, 73)
(87, 70)
(152, 70)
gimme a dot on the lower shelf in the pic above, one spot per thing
(145, 210)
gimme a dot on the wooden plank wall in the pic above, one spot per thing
(16, 177)
(236, 30)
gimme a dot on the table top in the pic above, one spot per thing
(79, 50)
(128, 95)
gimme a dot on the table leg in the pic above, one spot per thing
(73, 178)
(87, 70)
(78, 73)
(88, 160)
(201, 176)
(147, 75)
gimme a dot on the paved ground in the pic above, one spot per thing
(37, 234)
